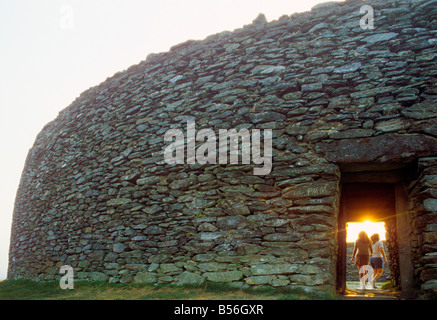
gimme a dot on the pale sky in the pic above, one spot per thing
(353, 228)
(51, 51)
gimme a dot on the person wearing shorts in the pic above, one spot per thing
(361, 253)
(376, 261)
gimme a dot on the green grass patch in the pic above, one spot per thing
(388, 286)
(30, 290)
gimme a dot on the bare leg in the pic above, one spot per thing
(363, 277)
(378, 273)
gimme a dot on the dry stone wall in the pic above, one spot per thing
(422, 216)
(97, 194)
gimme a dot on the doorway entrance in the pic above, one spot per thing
(374, 203)
(379, 196)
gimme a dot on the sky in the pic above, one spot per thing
(53, 50)
(353, 228)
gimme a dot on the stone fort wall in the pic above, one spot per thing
(97, 194)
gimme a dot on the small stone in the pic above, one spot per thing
(142, 127)
(319, 26)
(372, 92)
(148, 181)
(352, 133)
(223, 276)
(258, 280)
(98, 276)
(169, 268)
(421, 110)
(84, 264)
(213, 266)
(240, 209)
(429, 285)
(348, 68)
(209, 236)
(180, 184)
(176, 78)
(205, 177)
(283, 237)
(266, 116)
(260, 19)
(204, 257)
(272, 70)
(145, 277)
(189, 278)
(112, 266)
(392, 125)
(232, 222)
(380, 37)
(155, 230)
(270, 269)
(133, 110)
(119, 247)
(152, 209)
(430, 204)
(118, 201)
(312, 87)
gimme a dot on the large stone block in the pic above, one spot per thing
(272, 269)
(145, 277)
(386, 148)
(98, 276)
(189, 278)
(259, 280)
(223, 276)
(311, 189)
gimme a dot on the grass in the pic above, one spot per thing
(29, 290)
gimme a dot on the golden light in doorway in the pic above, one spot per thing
(353, 228)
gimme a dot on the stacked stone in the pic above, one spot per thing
(392, 252)
(422, 215)
(97, 194)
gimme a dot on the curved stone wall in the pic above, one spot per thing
(97, 194)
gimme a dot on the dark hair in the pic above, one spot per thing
(375, 237)
(363, 237)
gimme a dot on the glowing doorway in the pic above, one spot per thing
(370, 207)
(370, 227)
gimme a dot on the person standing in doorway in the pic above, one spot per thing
(362, 252)
(376, 259)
